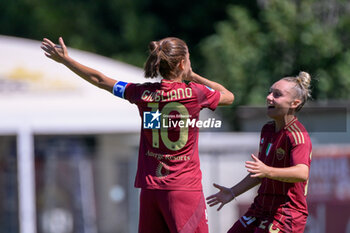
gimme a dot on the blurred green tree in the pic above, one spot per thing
(114, 28)
(247, 54)
(254, 43)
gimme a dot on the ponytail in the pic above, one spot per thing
(152, 64)
(164, 55)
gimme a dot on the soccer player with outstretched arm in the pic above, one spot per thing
(168, 173)
(281, 169)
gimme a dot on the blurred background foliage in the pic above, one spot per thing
(245, 45)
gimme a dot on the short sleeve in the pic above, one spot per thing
(301, 154)
(133, 92)
(128, 91)
(207, 97)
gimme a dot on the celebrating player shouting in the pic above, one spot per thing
(282, 167)
(168, 171)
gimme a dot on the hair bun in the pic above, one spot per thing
(304, 79)
(302, 86)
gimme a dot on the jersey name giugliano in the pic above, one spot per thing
(168, 153)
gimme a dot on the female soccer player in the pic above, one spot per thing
(168, 172)
(282, 167)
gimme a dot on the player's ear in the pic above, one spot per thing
(181, 64)
(295, 103)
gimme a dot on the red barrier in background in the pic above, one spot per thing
(329, 190)
(328, 217)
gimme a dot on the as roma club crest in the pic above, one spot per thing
(280, 153)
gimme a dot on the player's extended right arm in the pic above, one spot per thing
(60, 54)
(225, 195)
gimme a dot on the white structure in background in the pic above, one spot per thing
(39, 96)
(47, 97)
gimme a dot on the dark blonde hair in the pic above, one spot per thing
(302, 87)
(164, 56)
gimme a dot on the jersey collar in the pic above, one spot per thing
(291, 122)
(168, 81)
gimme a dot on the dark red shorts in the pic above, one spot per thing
(164, 211)
(291, 221)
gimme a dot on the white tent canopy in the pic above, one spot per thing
(46, 97)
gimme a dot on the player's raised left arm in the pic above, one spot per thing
(60, 55)
(293, 174)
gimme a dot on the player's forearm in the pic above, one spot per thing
(91, 75)
(226, 98)
(201, 80)
(244, 185)
(298, 173)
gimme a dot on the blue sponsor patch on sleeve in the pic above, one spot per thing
(119, 89)
(211, 89)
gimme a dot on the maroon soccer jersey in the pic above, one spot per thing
(168, 153)
(288, 147)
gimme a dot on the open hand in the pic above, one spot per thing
(257, 167)
(189, 75)
(224, 196)
(55, 52)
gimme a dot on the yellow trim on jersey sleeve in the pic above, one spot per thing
(297, 134)
(301, 133)
(293, 134)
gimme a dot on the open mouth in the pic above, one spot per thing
(270, 107)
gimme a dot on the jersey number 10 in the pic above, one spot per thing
(164, 134)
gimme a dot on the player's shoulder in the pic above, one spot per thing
(194, 85)
(146, 85)
(297, 133)
(199, 87)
